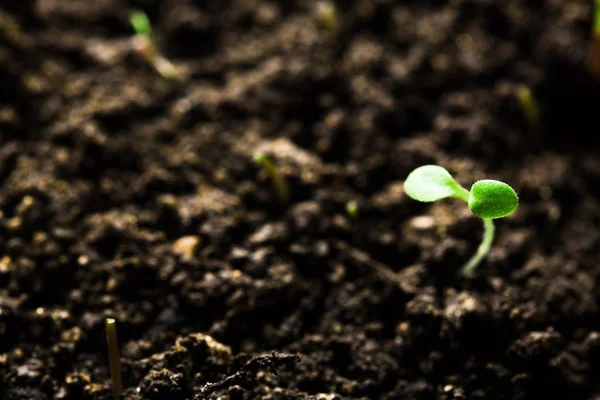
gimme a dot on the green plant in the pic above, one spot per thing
(594, 47)
(144, 46)
(488, 199)
(530, 109)
(279, 184)
(114, 360)
(327, 15)
(352, 209)
(141, 23)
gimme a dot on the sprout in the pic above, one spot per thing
(144, 46)
(488, 199)
(114, 360)
(328, 16)
(594, 49)
(530, 109)
(352, 209)
(279, 184)
(141, 23)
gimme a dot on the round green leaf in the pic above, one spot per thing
(430, 183)
(492, 199)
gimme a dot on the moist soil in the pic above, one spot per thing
(131, 196)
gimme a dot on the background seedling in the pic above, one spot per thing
(594, 49)
(144, 46)
(328, 16)
(114, 360)
(530, 110)
(352, 209)
(141, 23)
(488, 199)
(279, 184)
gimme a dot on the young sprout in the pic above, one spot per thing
(279, 184)
(328, 16)
(530, 109)
(114, 360)
(143, 44)
(352, 209)
(488, 199)
(594, 49)
(141, 23)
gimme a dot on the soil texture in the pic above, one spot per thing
(128, 195)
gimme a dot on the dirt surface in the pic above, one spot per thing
(127, 195)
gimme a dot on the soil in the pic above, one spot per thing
(128, 195)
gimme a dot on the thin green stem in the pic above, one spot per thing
(462, 193)
(594, 47)
(113, 357)
(597, 17)
(529, 107)
(484, 247)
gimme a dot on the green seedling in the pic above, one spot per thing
(530, 109)
(141, 23)
(594, 48)
(279, 184)
(327, 14)
(352, 209)
(487, 199)
(114, 359)
(144, 45)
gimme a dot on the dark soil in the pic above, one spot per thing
(127, 195)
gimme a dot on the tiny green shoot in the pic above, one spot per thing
(327, 15)
(487, 199)
(144, 45)
(141, 23)
(594, 47)
(114, 360)
(352, 209)
(530, 109)
(279, 184)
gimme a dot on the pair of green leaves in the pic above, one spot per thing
(487, 198)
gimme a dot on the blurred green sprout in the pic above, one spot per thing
(279, 183)
(352, 209)
(141, 23)
(328, 15)
(145, 46)
(530, 109)
(594, 47)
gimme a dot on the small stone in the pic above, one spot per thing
(422, 222)
(186, 246)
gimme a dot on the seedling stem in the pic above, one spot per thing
(484, 247)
